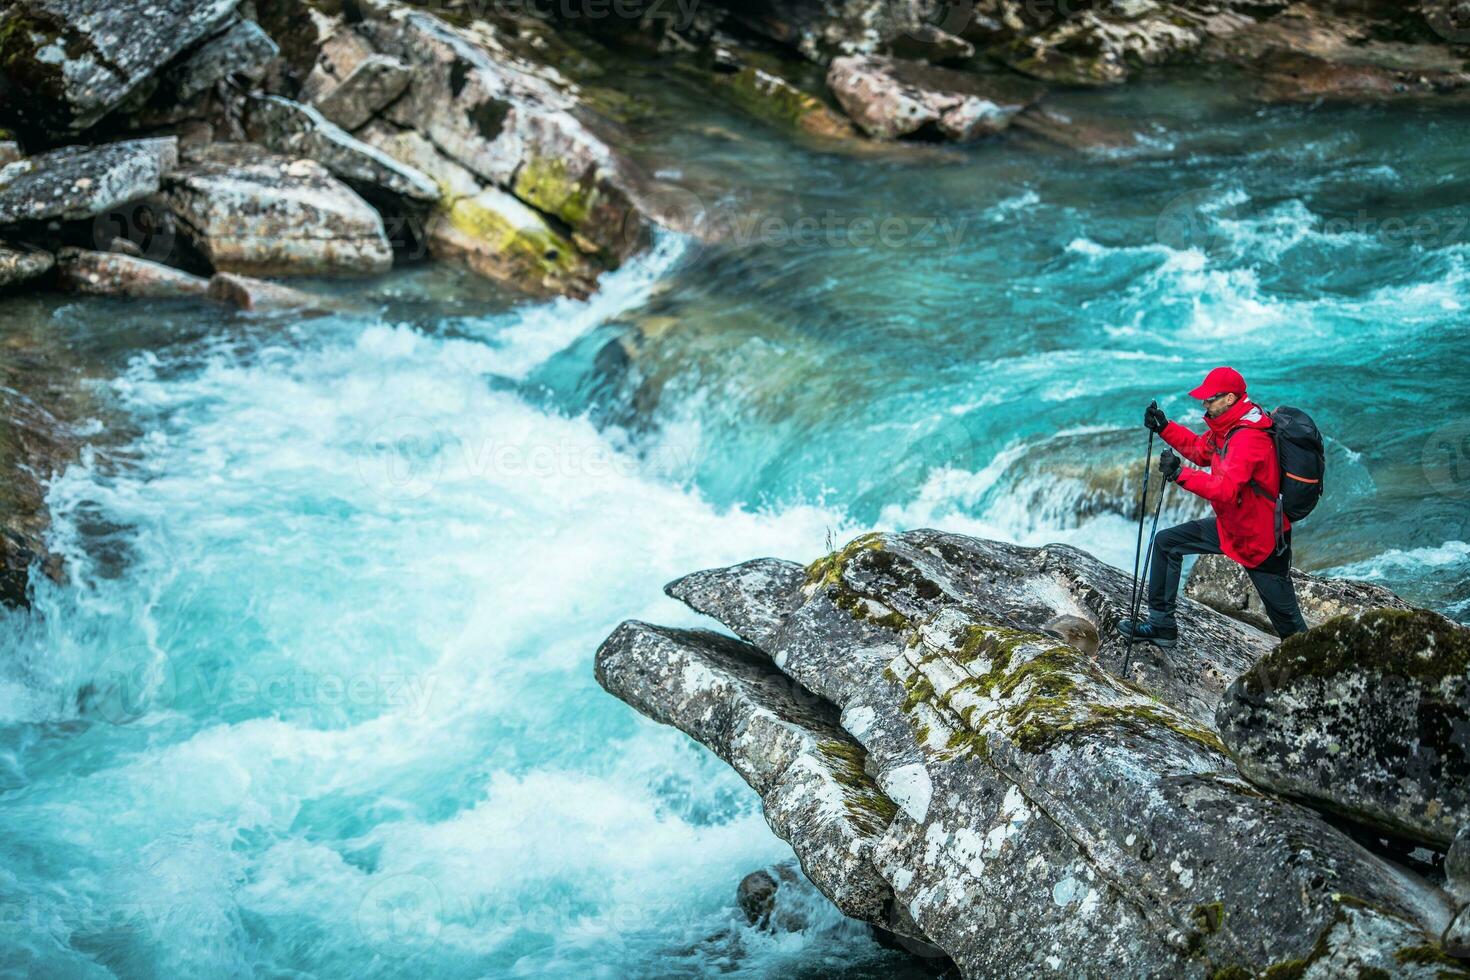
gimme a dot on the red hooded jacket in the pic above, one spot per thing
(1246, 520)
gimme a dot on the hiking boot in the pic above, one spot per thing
(1163, 637)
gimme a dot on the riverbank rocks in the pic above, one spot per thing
(1310, 54)
(1368, 716)
(778, 100)
(249, 211)
(296, 130)
(246, 293)
(890, 98)
(79, 182)
(117, 274)
(1223, 585)
(67, 63)
(1047, 817)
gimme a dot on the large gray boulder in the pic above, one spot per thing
(1048, 817)
(1223, 585)
(1367, 716)
(249, 211)
(79, 182)
(890, 98)
(67, 63)
(300, 131)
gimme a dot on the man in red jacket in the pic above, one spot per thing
(1241, 485)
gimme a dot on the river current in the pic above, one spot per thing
(316, 698)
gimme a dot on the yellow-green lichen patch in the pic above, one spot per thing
(545, 184)
(1208, 918)
(507, 228)
(827, 570)
(869, 810)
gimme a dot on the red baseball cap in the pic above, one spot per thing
(1218, 382)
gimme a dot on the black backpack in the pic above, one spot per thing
(1303, 462)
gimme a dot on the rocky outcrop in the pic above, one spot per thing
(79, 182)
(364, 89)
(1047, 816)
(1223, 585)
(1368, 716)
(774, 98)
(67, 63)
(890, 98)
(249, 211)
(117, 274)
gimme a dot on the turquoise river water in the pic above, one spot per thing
(317, 699)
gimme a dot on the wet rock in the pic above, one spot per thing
(116, 274)
(67, 63)
(890, 98)
(21, 263)
(257, 294)
(1076, 131)
(372, 84)
(1224, 585)
(1048, 816)
(301, 131)
(249, 211)
(783, 741)
(1368, 716)
(756, 896)
(242, 50)
(821, 31)
(79, 182)
(10, 152)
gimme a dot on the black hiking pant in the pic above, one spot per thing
(1272, 577)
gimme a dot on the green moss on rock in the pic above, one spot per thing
(1414, 644)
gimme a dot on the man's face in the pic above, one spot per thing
(1217, 405)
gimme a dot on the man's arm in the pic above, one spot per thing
(1231, 474)
(1194, 448)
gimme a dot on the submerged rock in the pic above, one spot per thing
(1223, 585)
(249, 211)
(257, 294)
(67, 63)
(1046, 816)
(118, 274)
(890, 98)
(1368, 716)
(79, 182)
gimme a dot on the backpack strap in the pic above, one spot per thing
(1280, 505)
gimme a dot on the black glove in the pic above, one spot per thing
(1169, 465)
(1154, 418)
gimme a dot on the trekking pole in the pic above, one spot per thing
(1153, 532)
(1148, 457)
